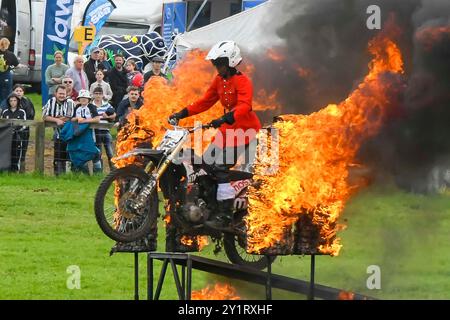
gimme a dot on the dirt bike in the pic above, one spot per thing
(126, 203)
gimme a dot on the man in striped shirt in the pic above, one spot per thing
(59, 109)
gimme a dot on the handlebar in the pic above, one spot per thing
(201, 126)
(174, 122)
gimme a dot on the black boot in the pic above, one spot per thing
(221, 219)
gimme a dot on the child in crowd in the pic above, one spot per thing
(107, 114)
(86, 112)
(13, 111)
(106, 88)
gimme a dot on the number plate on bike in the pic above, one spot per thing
(174, 135)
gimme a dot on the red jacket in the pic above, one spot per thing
(235, 94)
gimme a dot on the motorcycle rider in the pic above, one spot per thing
(237, 127)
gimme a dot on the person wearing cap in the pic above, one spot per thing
(93, 64)
(157, 62)
(86, 112)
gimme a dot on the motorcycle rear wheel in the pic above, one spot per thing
(111, 206)
(235, 249)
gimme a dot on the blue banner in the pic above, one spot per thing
(96, 14)
(174, 20)
(58, 20)
(250, 4)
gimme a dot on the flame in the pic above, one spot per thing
(429, 36)
(315, 152)
(192, 77)
(189, 241)
(167, 219)
(219, 292)
(274, 55)
(302, 72)
(346, 295)
(202, 242)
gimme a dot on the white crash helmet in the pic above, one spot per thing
(84, 94)
(226, 49)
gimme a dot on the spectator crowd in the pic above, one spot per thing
(91, 91)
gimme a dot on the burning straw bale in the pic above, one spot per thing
(311, 186)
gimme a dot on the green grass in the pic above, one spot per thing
(47, 224)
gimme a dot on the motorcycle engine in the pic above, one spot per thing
(195, 212)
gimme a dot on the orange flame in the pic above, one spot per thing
(428, 36)
(302, 72)
(192, 77)
(346, 295)
(315, 152)
(274, 55)
(189, 241)
(219, 292)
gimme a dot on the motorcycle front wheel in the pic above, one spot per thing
(114, 206)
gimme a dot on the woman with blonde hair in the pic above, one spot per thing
(8, 60)
(54, 73)
(103, 58)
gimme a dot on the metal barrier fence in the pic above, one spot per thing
(38, 145)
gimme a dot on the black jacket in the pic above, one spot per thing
(28, 107)
(7, 59)
(90, 67)
(150, 74)
(122, 109)
(118, 81)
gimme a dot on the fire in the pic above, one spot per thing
(275, 55)
(167, 219)
(192, 77)
(346, 295)
(189, 241)
(428, 36)
(315, 153)
(302, 72)
(219, 292)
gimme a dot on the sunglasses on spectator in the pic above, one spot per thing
(67, 82)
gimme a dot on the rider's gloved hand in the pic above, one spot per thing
(217, 123)
(227, 118)
(177, 116)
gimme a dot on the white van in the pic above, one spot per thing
(21, 21)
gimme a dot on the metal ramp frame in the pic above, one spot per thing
(188, 262)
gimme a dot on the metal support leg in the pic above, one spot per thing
(189, 278)
(149, 277)
(311, 279)
(183, 279)
(161, 278)
(136, 276)
(269, 279)
(181, 295)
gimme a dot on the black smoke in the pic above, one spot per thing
(329, 38)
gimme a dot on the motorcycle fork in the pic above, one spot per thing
(149, 187)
